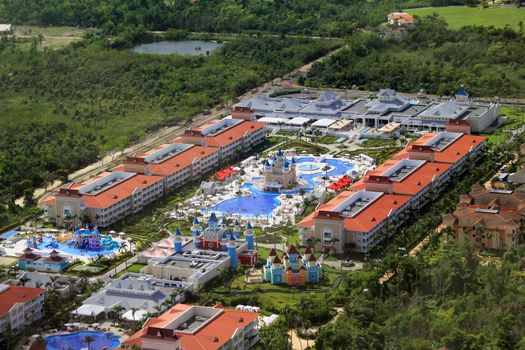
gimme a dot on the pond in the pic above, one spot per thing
(185, 47)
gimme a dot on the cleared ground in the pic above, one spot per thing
(52, 37)
(459, 16)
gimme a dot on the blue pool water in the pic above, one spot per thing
(9, 234)
(75, 341)
(110, 247)
(338, 168)
(261, 203)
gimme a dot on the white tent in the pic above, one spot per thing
(298, 121)
(323, 123)
(89, 310)
(139, 314)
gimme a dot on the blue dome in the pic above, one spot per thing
(280, 153)
(231, 238)
(249, 225)
(95, 232)
(223, 222)
(267, 163)
(224, 235)
(293, 160)
(196, 221)
(87, 232)
(237, 223)
(177, 232)
(462, 91)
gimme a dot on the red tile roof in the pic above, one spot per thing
(451, 154)
(181, 160)
(211, 337)
(411, 184)
(118, 192)
(233, 134)
(17, 294)
(366, 219)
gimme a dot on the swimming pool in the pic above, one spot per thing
(9, 234)
(76, 341)
(308, 166)
(338, 167)
(261, 203)
(257, 203)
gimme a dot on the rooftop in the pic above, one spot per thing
(408, 176)
(448, 147)
(360, 212)
(197, 327)
(11, 295)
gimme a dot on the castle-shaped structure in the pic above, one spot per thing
(279, 173)
(292, 268)
(218, 236)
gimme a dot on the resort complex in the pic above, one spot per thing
(373, 208)
(386, 110)
(143, 178)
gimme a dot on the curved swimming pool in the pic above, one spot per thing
(261, 203)
(76, 341)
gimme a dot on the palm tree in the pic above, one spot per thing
(118, 312)
(88, 340)
(23, 280)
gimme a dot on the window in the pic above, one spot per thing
(67, 210)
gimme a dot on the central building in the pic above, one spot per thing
(279, 173)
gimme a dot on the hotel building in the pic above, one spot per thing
(19, 307)
(378, 203)
(193, 327)
(230, 136)
(103, 199)
(178, 163)
(492, 219)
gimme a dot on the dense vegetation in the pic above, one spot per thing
(330, 17)
(488, 61)
(60, 108)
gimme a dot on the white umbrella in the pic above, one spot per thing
(68, 324)
(34, 336)
(95, 324)
(76, 324)
(121, 234)
(112, 232)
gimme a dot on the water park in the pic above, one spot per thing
(83, 243)
(272, 191)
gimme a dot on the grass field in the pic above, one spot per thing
(459, 16)
(52, 37)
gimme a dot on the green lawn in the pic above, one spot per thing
(459, 16)
(131, 268)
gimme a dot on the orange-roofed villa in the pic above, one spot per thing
(193, 327)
